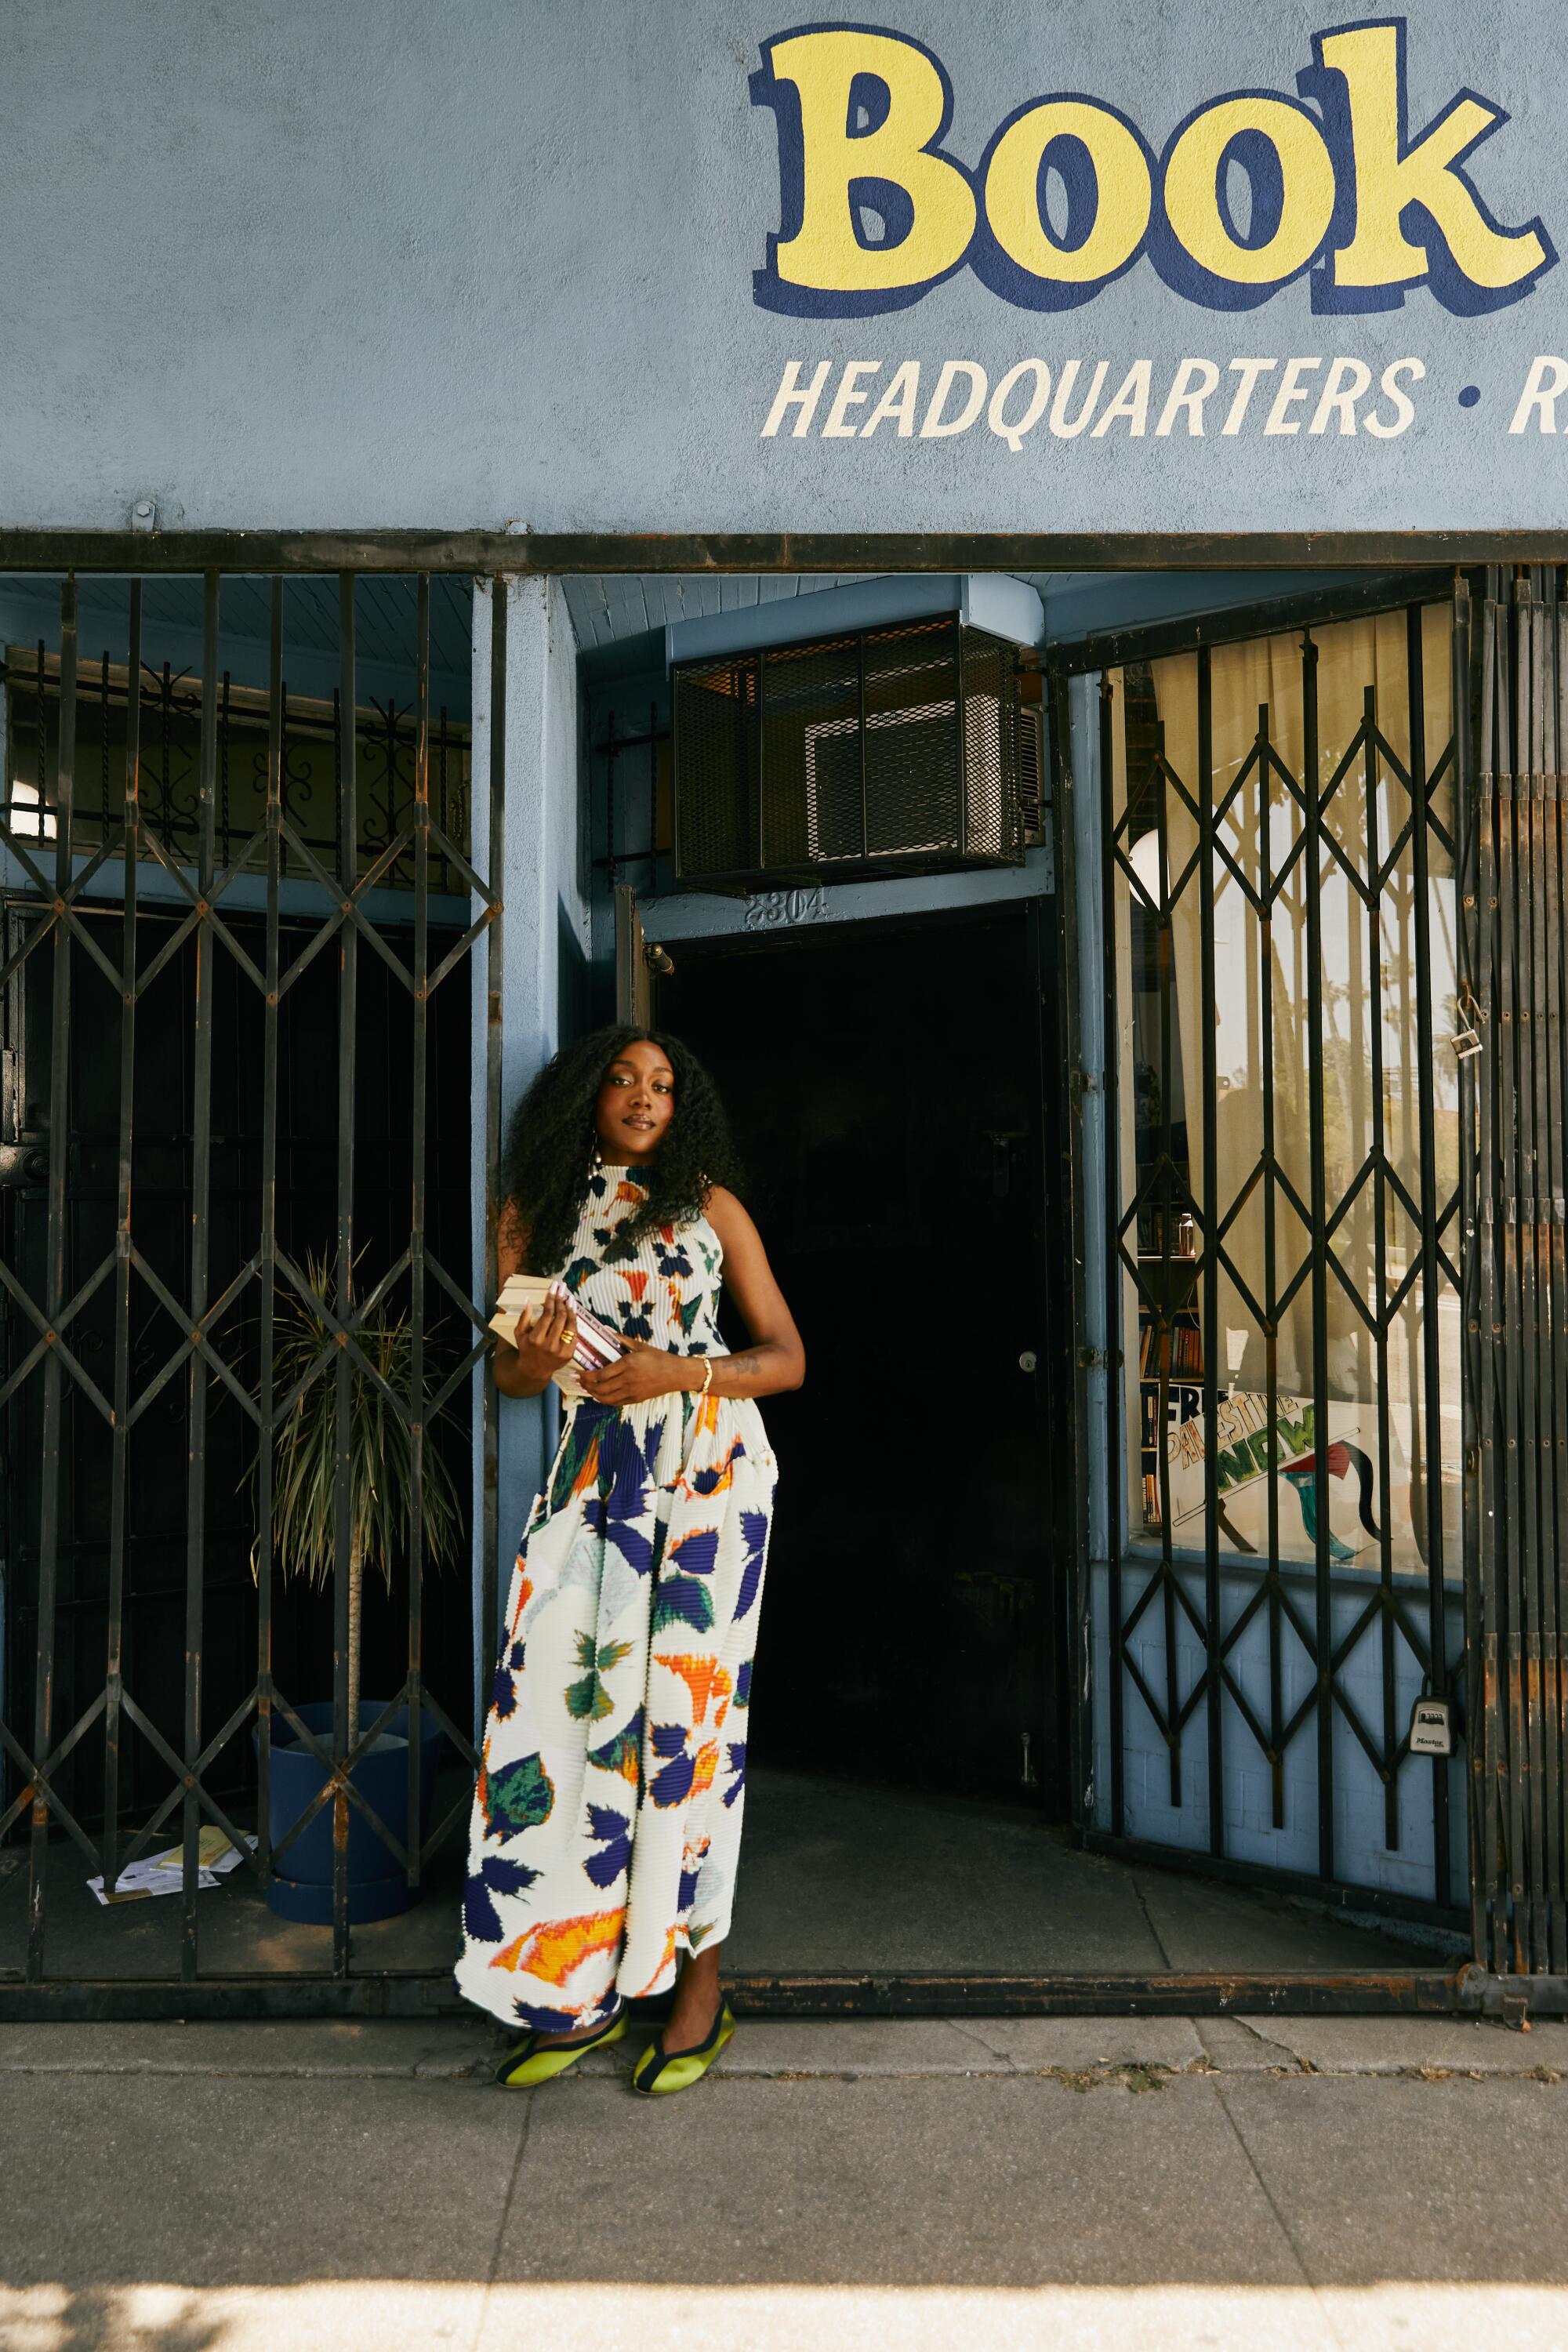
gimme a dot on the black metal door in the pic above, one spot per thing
(884, 1080)
(1513, 645)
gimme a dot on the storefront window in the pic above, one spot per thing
(169, 738)
(1288, 1093)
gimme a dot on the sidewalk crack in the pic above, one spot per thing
(972, 2034)
(507, 2201)
(1286, 2232)
(1268, 2043)
(1159, 1941)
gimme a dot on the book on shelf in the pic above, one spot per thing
(1176, 1353)
(1153, 1227)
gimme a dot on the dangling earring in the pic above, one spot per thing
(597, 1161)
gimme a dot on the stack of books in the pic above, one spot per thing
(522, 1297)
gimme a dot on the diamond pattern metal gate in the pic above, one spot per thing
(223, 1331)
(1513, 984)
(1282, 1205)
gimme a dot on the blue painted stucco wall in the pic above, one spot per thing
(545, 936)
(393, 263)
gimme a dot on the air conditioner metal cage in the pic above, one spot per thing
(892, 750)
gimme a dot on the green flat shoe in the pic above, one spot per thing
(659, 2071)
(530, 2063)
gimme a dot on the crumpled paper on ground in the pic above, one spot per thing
(162, 1873)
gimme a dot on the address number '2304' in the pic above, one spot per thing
(771, 908)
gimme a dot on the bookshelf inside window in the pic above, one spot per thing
(1170, 1349)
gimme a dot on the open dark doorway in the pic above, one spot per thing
(889, 1085)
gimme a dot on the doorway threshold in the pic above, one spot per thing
(1207, 1994)
(857, 1899)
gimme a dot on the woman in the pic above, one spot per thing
(608, 1815)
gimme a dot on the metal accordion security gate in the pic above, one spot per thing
(1512, 648)
(1278, 808)
(249, 937)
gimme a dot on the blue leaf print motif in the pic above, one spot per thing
(743, 1685)
(504, 1693)
(673, 1258)
(634, 1548)
(495, 1875)
(545, 2020)
(674, 1782)
(681, 1599)
(695, 1554)
(738, 1766)
(690, 1870)
(624, 1499)
(754, 1529)
(614, 1832)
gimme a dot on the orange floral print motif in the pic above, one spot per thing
(716, 1477)
(707, 1680)
(661, 1974)
(636, 1323)
(553, 1949)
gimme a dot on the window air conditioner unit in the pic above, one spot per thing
(897, 749)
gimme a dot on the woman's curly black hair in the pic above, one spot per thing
(550, 1139)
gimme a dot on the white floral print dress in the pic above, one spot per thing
(606, 1822)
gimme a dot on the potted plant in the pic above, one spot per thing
(304, 1527)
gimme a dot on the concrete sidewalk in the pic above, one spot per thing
(1267, 2182)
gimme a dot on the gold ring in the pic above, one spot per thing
(568, 1340)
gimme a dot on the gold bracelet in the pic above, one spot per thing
(707, 1381)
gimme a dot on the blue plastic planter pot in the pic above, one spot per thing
(302, 1886)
